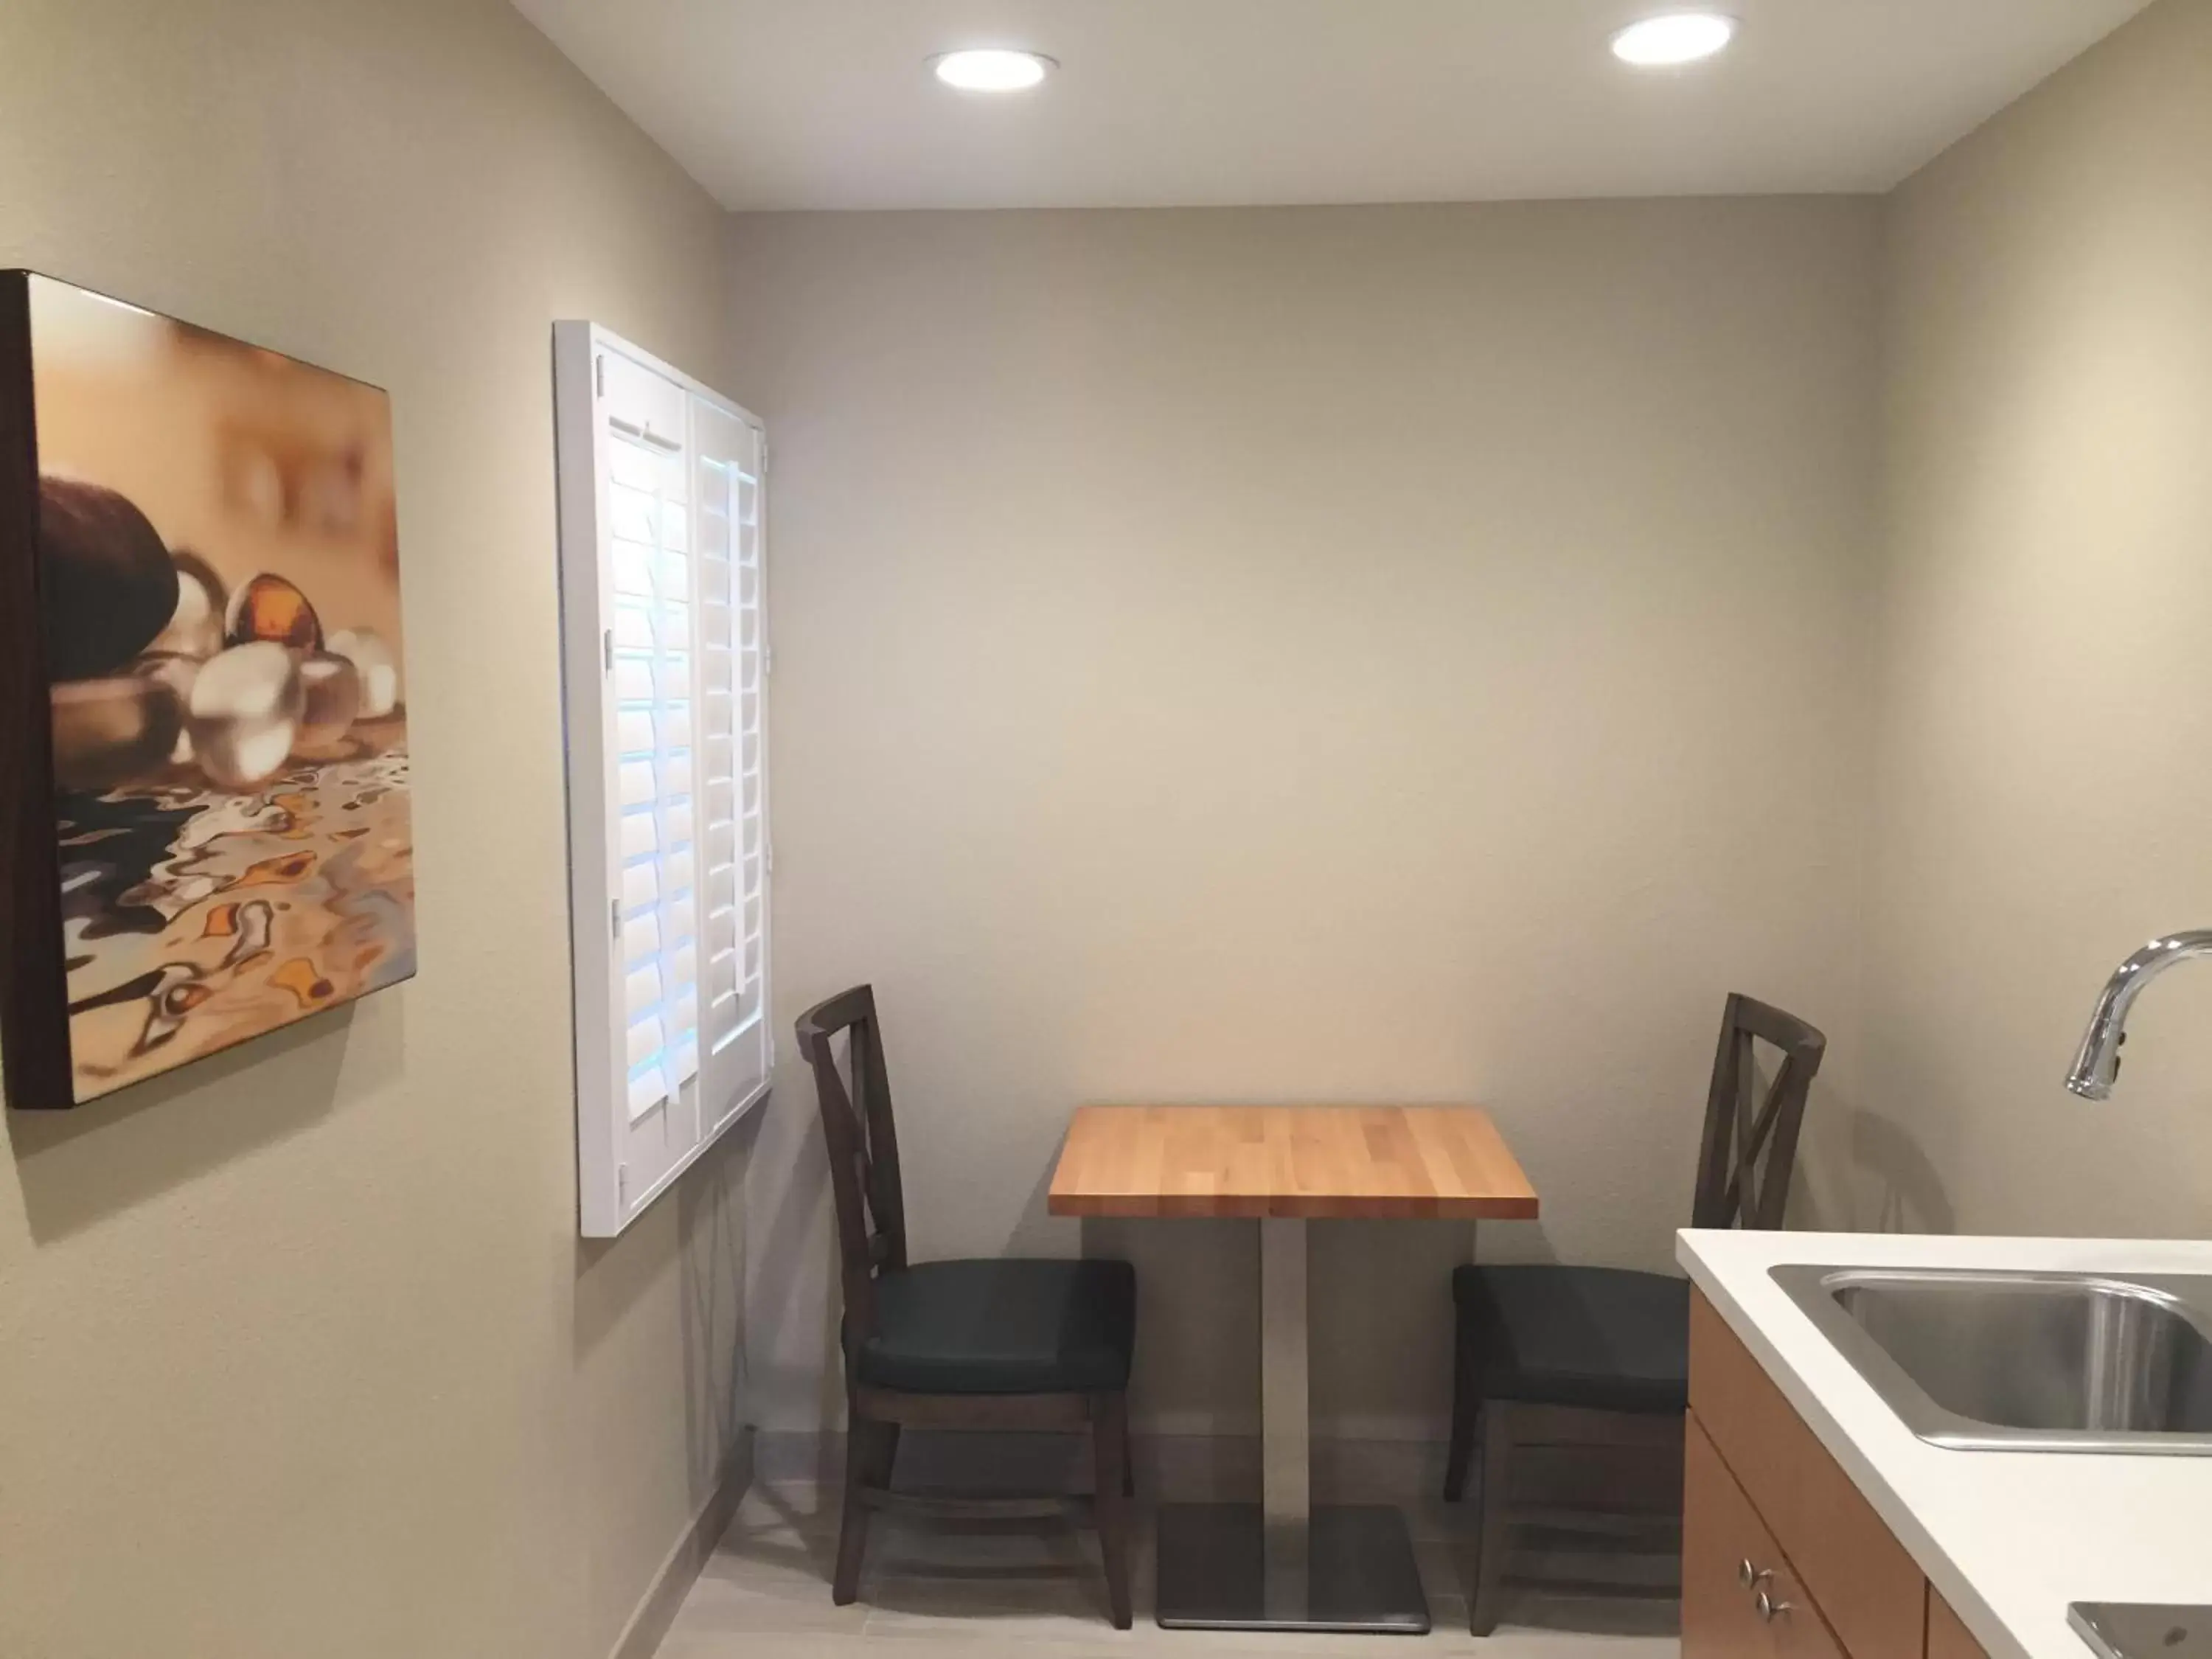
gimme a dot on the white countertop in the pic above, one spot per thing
(2008, 1539)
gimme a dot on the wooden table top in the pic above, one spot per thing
(1311, 1162)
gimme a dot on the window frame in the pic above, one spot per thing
(605, 1124)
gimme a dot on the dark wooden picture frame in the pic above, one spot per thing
(205, 830)
(34, 985)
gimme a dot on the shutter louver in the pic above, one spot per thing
(730, 614)
(649, 514)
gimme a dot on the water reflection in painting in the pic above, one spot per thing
(219, 591)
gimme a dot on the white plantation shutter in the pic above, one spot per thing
(730, 771)
(662, 596)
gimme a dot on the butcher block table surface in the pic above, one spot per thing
(1314, 1163)
(1284, 1564)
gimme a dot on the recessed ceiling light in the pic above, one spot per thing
(992, 68)
(1676, 37)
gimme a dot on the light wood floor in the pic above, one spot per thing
(992, 1591)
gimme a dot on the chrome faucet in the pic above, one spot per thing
(2098, 1065)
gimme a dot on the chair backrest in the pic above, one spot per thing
(864, 1164)
(1744, 1170)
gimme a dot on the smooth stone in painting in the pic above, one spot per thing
(269, 608)
(245, 713)
(107, 584)
(177, 671)
(195, 627)
(365, 648)
(109, 730)
(330, 689)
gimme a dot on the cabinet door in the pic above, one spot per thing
(1947, 1635)
(1740, 1598)
(1871, 1591)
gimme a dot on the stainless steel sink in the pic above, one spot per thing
(2024, 1361)
(2120, 1629)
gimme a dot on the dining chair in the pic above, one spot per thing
(1552, 1356)
(1002, 1345)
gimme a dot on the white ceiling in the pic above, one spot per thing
(828, 103)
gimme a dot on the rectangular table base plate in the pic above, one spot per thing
(1361, 1574)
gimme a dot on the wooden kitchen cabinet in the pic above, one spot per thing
(1763, 1499)
(1740, 1598)
(1947, 1636)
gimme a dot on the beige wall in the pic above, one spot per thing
(2045, 688)
(299, 1354)
(1396, 653)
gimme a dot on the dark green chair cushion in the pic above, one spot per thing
(1599, 1337)
(992, 1327)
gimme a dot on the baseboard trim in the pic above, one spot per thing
(656, 1610)
(1171, 1467)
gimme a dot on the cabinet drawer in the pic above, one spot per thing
(1870, 1591)
(1724, 1543)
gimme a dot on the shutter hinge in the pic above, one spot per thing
(614, 915)
(622, 1185)
(768, 660)
(607, 648)
(767, 857)
(599, 375)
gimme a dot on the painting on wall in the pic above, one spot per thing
(204, 823)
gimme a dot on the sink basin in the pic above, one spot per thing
(2024, 1361)
(2119, 1630)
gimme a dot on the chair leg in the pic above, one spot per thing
(1128, 1457)
(1110, 1442)
(1464, 1409)
(867, 1447)
(1491, 1537)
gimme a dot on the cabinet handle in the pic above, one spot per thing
(1749, 1576)
(1768, 1608)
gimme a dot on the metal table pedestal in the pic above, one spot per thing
(1282, 1564)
